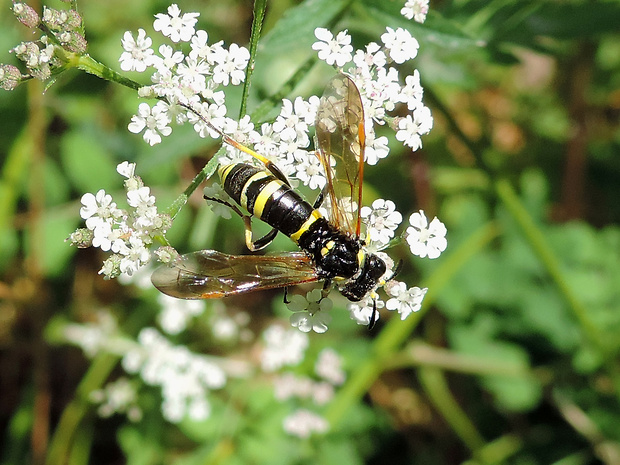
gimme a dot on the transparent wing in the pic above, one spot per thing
(209, 274)
(340, 141)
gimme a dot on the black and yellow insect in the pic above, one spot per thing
(331, 246)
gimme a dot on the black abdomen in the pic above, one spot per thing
(268, 198)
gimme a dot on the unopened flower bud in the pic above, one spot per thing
(74, 19)
(81, 238)
(10, 77)
(73, 42)
(26, 14)
(54, 19)
(166, 254)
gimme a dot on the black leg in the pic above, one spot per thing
(373, 317)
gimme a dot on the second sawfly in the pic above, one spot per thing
(332, 250)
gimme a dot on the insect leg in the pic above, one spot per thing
(373, 317)
(229, 205)
(247, 220)
(261, 243)
(319, 200)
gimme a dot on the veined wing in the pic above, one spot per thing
(341, 137)
(209, 274)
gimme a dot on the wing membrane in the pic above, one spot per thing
(341, 137)
(209, 274)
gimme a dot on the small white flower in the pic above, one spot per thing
(412, 92)
(405, 301)
(411, 128)
(338, 50)
(135, 255)
(98, 209)
(424, 239)
(169, 58)
(303, 423)
(283, 347)
(138, 54)
(289, 385)
(185, 378)
(103, 236)
(93, 337)
(382, 220)
(176, 26)
(365, 312)
(126, 169)
(376, 148)
(230, 64)
(119, 396)
(373, 57)
(416, 10)
(216, 191)
(194, 73)
(309, 170)
(329, 367)
(291, 124)
(176, 313)
(213, 113)
(154, 120)
(401, 45)
(311, 313)
(200, 47)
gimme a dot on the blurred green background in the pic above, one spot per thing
(514, 358)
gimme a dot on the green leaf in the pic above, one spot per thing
(517, 393)
(295, 31)
(87, 164)
(53, 253)
(138, 449)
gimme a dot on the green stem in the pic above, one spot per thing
(267, 105)
(434, 383)
(397, 331)
(543, 251)
(92, 66)
(205, 173)
(73, 414)
(422, 354)
(498, 451)
(257, 25)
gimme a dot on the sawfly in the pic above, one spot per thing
(331, 247)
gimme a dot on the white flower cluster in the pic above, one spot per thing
(416, 10)
(379, 85)
(303, 422)
(310, 313)
(283, 347)
(175, 313)
(126, 233)
(93, 337)
(185, 378)
(185, 81)
(50, 53)
(119, 396)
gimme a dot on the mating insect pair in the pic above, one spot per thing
(332, 248)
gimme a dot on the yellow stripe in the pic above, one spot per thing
(224, 171)
(315, 215)
(256, 177)
(264, 196)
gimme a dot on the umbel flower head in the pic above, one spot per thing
(50, 53)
